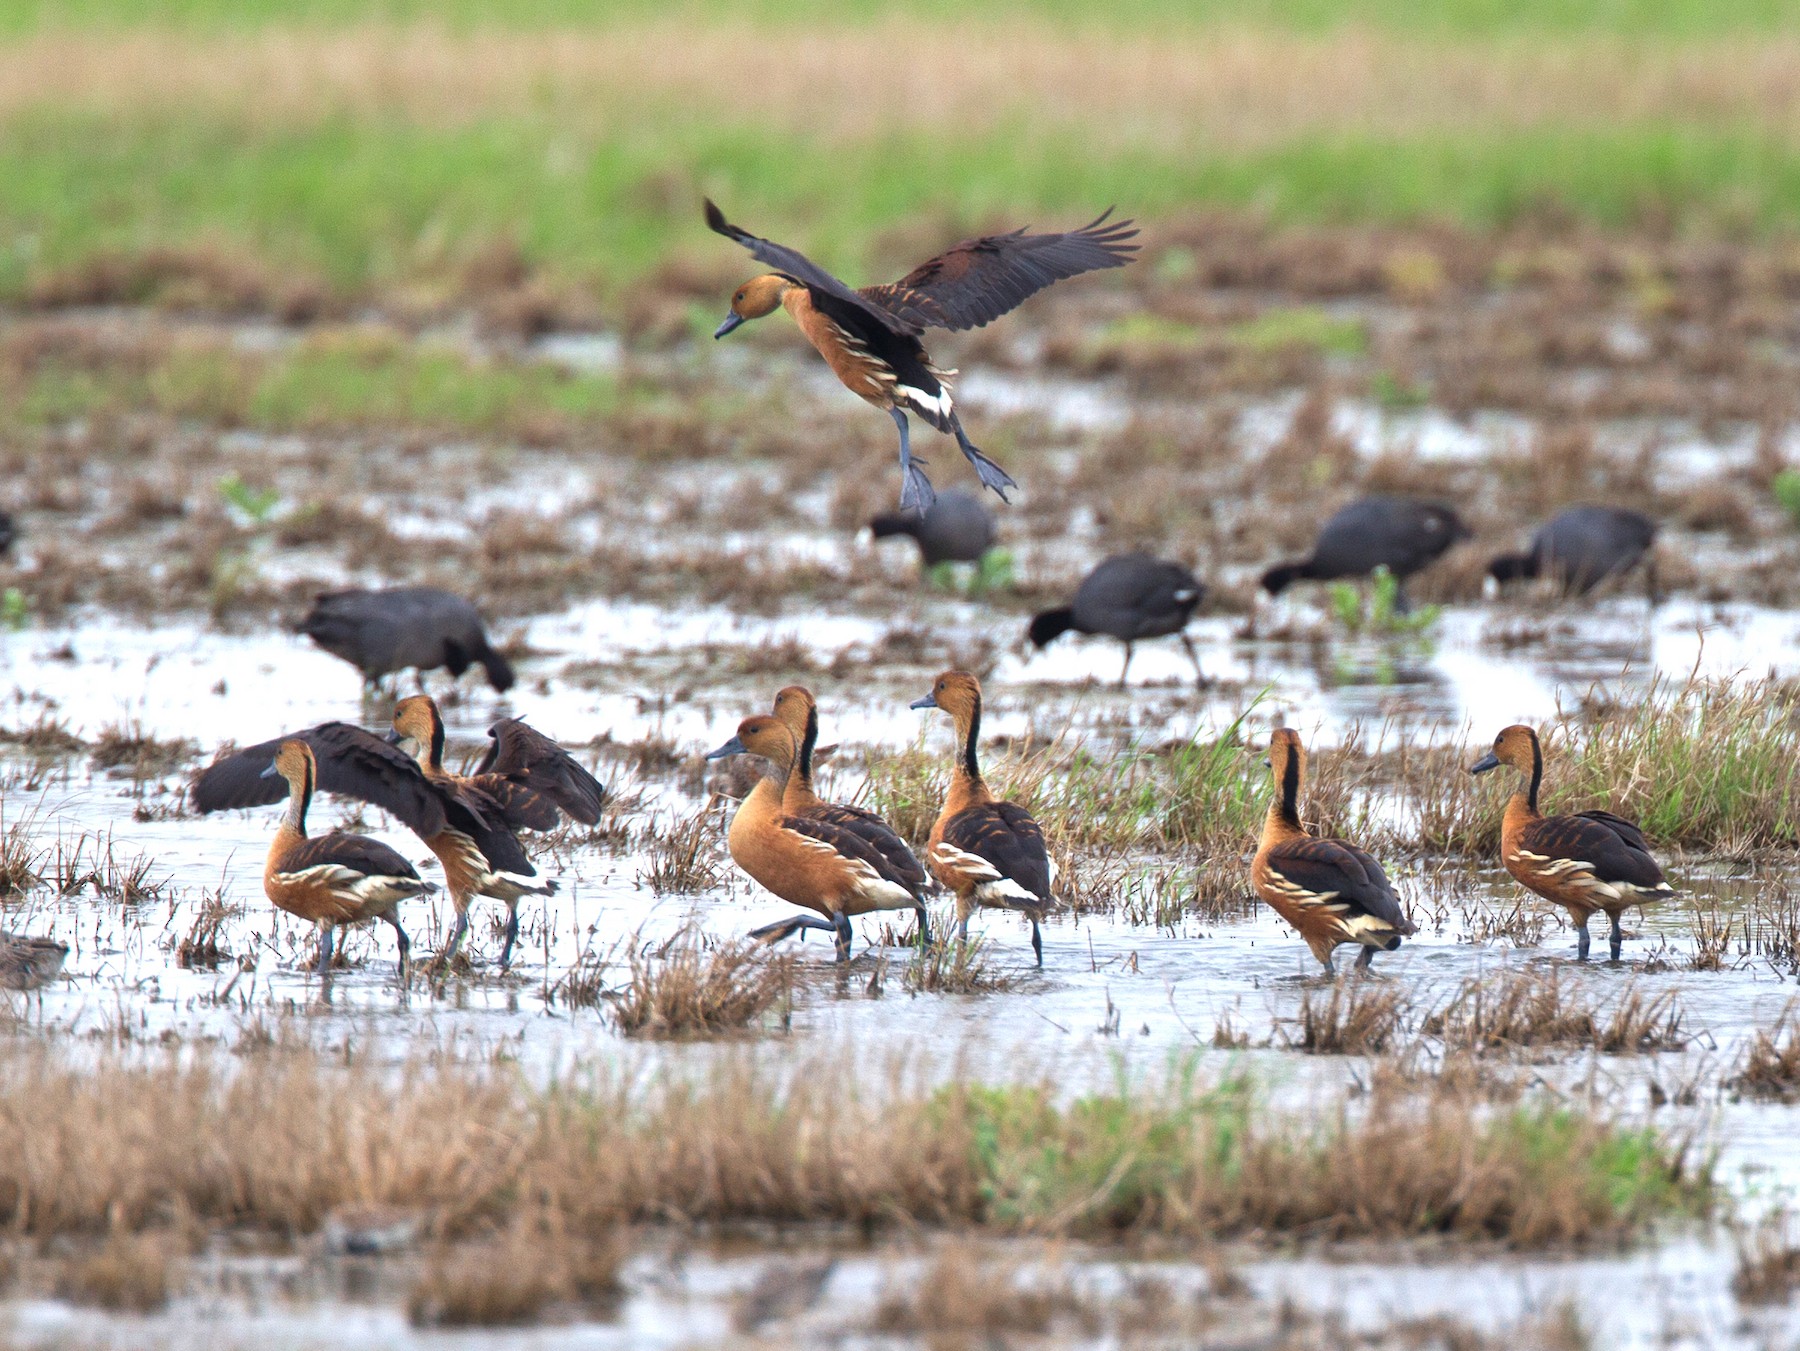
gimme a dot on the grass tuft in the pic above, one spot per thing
(1356, 1018)
(691, 988)
(1528, 1010)
(1771, 1067)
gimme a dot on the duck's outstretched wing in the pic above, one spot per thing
(526, 757)
(793, 263)
(352, 763)
(981, 279)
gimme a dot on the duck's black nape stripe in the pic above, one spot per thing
(970, 764)
(1537, 771)
(1290, 786)
(807, 743)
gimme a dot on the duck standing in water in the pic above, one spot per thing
(870, 337)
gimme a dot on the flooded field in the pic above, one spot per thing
(657, 562)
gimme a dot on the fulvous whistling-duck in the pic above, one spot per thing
(29, 963)
(525, 782)
(814, 863)
(1332, 892)
(870, 337)
(986, 851)
(331, 879)
(1584, 862)
(1402, 534)
(958, 528)
(1582, 547)
(799, 713)
(404, 628)
(1128, 596)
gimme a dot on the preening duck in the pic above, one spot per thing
(812, 862)
(1401, 534)
(332, 879)
(798, 711)
(525, 782)
(1331, 892)
(1128, 597)
(1582, 547)
(1585, 862)
(404, 628)
(870, 337)
(958, 528)
(466, 828)
(985, 851)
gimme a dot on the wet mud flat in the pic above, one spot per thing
(659, 559)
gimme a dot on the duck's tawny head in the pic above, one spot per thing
(755, 298)
(1516, 746)
(1284, 746)
(762, 736)
(294, 762)
(956, 692)
(795, 706)
(416, 719)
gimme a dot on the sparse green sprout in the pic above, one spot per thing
(15, 609)
(1379, 615)
(1787, 492)
(256, 503)
(993, 573)
(1302, 327)
(1396, 394)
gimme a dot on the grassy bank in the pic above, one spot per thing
(376, 151)
(282, 1139)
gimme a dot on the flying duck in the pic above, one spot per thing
(1586, 862)
(1332, 892)
(811, 861)
(985, 851)
(870, 337)
(1402, 534)
(332, 879)
(404, 628)
(1128, 597)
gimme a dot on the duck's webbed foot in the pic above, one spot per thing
(915, 489)
(990, 474)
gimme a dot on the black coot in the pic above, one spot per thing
(1583, 546)
(402, 628)
(1128, 597)
(1402, 534)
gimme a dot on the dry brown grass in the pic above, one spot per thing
(1357, 1017)
(279, 1141)
(1226, 86)
(950, 967)
(1530, 1010)
(1768, 1262)
(515, 1278)
(685, 855)
(966, 1299)
(127, 1273)
(1771, 1066)
(693, 987)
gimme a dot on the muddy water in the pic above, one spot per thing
(1111, 993)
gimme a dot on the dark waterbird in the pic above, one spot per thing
(405, 628)
(1128, 597)
(1581, 547)
(958, 528)
(870, 336)
(1401, 534)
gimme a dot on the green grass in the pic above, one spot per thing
(1665, 18)
(333, 380)
(368, 206)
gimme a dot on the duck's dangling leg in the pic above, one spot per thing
(1581, 941)
(324, 968)
(990, 474)
(1364, 957)
(1617, 937)
(915, 488)
(841, 922)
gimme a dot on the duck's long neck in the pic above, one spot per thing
(300, 791)
(968, 737)
(1283, 820)
(432, 752)
(802, 776)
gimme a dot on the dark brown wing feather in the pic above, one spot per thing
(847, 842)
(369, 857)
(981, 279)
(524, 754)
(1625, 830)
(792, 263)
(1611, 855)
(469, 808)
(896, 861)
(1332, 865)
(520, 806)
(352, 762)
(1004, 834)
